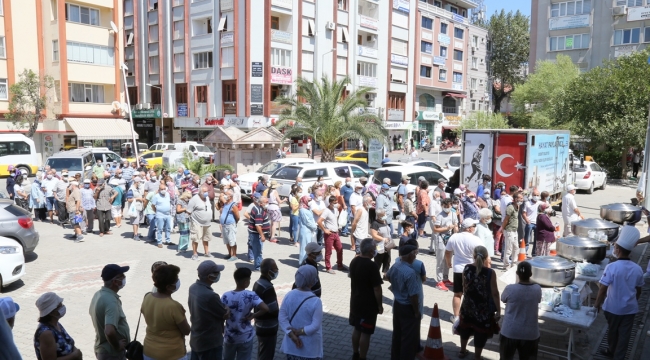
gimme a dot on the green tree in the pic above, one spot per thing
(538, 96)
(198, 165)
(510, 41)
(320, 110)
(483, 120)
(28, 100)
(609, 104)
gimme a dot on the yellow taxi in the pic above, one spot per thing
(153, 158)
(352, 155)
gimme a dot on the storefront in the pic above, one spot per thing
(197, 129)
(429, 125)
(449, 127)
(398, 130)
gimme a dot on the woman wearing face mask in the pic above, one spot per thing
(544, 231)
(183, 221)
(275, 215)
(51, 341)
(483, 230)
(308, 226)
(21, 197)
(37, 200)
(380, 232)
(294, 217)
(167, 325)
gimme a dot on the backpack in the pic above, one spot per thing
(265, 193)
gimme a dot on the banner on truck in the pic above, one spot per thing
(548, 168)
(476, 158)
(510, 159)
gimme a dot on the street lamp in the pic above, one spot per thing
(162, 118)
(128, 102)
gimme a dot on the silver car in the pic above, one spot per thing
(16, 223)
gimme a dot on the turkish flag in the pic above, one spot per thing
(510, 159)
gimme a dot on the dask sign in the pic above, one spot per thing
(281, 75)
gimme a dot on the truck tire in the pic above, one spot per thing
(591, 189)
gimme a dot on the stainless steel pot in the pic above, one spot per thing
(552, 270)
(578, 248)
(581, 228)
(621, 213)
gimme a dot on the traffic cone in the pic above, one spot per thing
(522, 251)
(433, 350)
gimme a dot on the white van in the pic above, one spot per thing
(331, 173)
(162, 146)
(246, 181)
(18, 150)
(197, 149)
(173, 158)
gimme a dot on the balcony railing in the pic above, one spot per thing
(450, 110)
(230, 108)
(442, 12)
(281, 36)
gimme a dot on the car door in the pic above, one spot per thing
(600, 175)
(342, 172)
(358, 172)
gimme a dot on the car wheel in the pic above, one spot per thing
(591, 189)
(29, 171)
(604, 184)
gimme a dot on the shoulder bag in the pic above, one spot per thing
(294, 313)
(134, 349)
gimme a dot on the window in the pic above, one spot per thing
(229, 92)
(14, 148)
(308, 27)
(81, 14)
(427, 23)
(201, 94)
(366, 69)
(425, 71)
(458, 55)
(627, 36)
(345, 36)
(443, 51)
(341, 65)
(474, 62)
(399, 47)
(473, 105)
(453, 9)
(630, 2)
(475, 41)
(179, 29)
(227, 57)
(55, 50)
(472, 83)
(580, 41)
(223, 24)
(202, 26)
(396, 101)
(86, 93)
(458, 77)
(281, 57)
(459, 33)
(3, 53)
(179, 62)
(308, 61)
(275, 23)
(443, 28)
(398, 75)
(4, 91)
(357, 172)
(437, 3)
(153, 33)
(342, 171)
(128, 7)
(426, 47)
(203, 60)
(154, 64)
(343, 5)
(90, 54)
(178, 2)
(574, 8)
(646, 34)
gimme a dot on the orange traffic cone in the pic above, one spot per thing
(522, 251)
(433, 349)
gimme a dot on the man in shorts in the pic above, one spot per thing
(228, 220)
(365, 298)
(200, 212)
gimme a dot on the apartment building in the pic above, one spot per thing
(588, 31)
(74, 43)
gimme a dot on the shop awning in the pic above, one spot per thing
(100, 129)
(456, 95)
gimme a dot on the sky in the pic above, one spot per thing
(507, 5)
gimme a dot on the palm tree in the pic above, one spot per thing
(327, 116)
(196, 166)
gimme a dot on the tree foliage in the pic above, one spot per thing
(320, 110)
(198, 166)
(484, 120)
(510, 39)
(609, 104)
(28, 100)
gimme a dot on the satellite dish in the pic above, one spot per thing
(116, 105)
(113, 27)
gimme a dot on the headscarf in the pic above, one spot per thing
(306, 276)
(304, 201)
(373, 189)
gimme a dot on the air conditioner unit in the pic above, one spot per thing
(138, 106)
(474, 48)
(619, 10)
(147, 106)
(370, 96)
(330, 25)
(371, 38)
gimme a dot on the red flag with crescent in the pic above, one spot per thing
(510, 159)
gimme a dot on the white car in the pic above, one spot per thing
(12, 261)
(419, 162)
(195, 148)
(331, 173)
(414, 172)
(246, 181)
(589, 176)
(454, 163)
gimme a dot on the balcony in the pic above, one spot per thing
(367, 52)
(451, 110)
(368, 22)
(281, 36)
(230, 108)
(447, 14)
(277, 108)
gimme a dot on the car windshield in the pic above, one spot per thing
(343, 154)
(269, 168)
(394, 176)
(286, 173)
(72, 164)
(202, 148)
(454, 161)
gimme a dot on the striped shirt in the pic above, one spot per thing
(127, 173)
(405, 282)
(258, 216)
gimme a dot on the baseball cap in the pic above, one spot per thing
(64, 173)
(570, 187)
(406, 177)
(86, 181)
(421, 178)
(137, 179)
(186, 172)
(458, 191)
(385, 186)
(468, 223)
(486, 191)
(442, 181)
(47, 302)
(8, 307)
(112, 270)
(357, 185)
(313, 247)
(406, 249)
(208, 267)
(257, 195)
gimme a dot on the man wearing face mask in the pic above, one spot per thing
(200, 212)
(103, 194)
(509, 228)
(112, 332)
(434, 209)
(207, 313)
(530, 218)
(360, 224)
(385, 202)
(225, 180)
(228, 220)
(445, 226)
(328, 223)
(161, 205)
(470, 207)
(440, 189)
(151, 185)
(346, 191)
(48, 185)
(314, 256)
(98, 169)
(210, 184)
(485, 185)
(317, 206)
(266, 326)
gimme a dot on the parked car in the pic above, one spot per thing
(246, 181)
(454, 162)
(331, 173)
(197, 149)
(163, 146)
(413, 172)
(16, 224)
(419, 162)
(141, 147)
(362, 164)
(78, 161)
(105, 155)
(354, 155)
(153, 158)
(589, 176)
(12, 262)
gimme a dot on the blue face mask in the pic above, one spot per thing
(228, 177)
(206, 195)
(86, 186)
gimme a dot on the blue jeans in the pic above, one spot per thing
(152, 226)
(528, 235)
(255, 244)
(295, 226)
(244, 351)
(212, 354)
(163, 222)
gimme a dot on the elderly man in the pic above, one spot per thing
(49, 187)
(570, 210)
(385, 203)
(435, 208)
(259, 227)
(406, 286)
(444, 227)
(73, 207)
(360, 224)
(266, 326)
(195, 185)
(60, 194)
(210, 184)
(509, 227)
(228, 220)
(112, 333)
(225, 180)
(401, 193)
(200, 212)
(179, 176)
(440, 189)
(98, 169)
(530, 218)
(152, 185)
(103, 194)
(207, 313)
(161, 205)
(127, 174)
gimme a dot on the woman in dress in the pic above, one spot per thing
(21, 197)
(479, 309)
(37, 199)
(301, 318)
(135, 202)
(483, 230)
(308, 226)
(380, 232)
(544, 230)
(294, 217)
(51, 341)
(275, 216)
(167, 324)
(183, 220)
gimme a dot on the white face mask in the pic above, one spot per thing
(447, 210)
(123, 284)
(319, 199)
(488, 221)
(359, 191)
(383, 218)
(62, 311)
(519, 203)
(348, 184)
(535, 198)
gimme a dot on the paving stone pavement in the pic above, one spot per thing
(73, 272)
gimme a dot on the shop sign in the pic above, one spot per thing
(396, 125)
(439, 60)
(638, 13)
(144, 124)
(256, 69)
(368, 22)
(367, 52)
(453, 119)
(430, 115)
(458, 18)
(257, 109)
(624, 50)
(457, 86)
(367, 81)
(399, 59)
(444, 39)
(375, 153)
(181, 110)
(239, 122)
(281, 36)
(281, 75)
(571, 22)
(368, 110)
(146, 113)
(256, 93)
(395, 114)
(402, 5)
(227, 38)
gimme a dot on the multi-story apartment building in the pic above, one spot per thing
(588, 31)
(223, 63)
(72, 41)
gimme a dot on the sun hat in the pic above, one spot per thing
(8, 308)
(47, 302)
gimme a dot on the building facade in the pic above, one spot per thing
(569, 28)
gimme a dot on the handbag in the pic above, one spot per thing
(134, 349)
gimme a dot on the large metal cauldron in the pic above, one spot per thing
(552, 270)
(621, 213)
(578, 248)
(581, 228)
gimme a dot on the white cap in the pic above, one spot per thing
(570, 187)
(113, 182)
(469, 222)
(628, 237)
(458, 191)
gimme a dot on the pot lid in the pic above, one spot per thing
(551, 262)
(595, 224)
(581, 241)
(620, 207)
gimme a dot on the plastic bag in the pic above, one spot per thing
(133, 212)
(454, 327)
